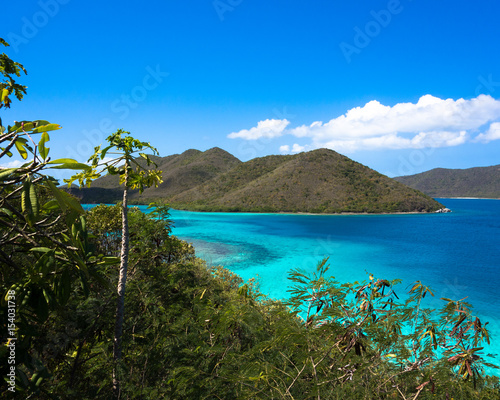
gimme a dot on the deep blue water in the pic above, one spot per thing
(458, 254)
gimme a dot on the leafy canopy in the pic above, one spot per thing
(9, 70)
(45, 256)
(126, 155)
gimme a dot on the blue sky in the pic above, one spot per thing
(401, 86)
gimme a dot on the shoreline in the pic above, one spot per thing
(326, 214)
(345, 213)
(278, 212)
(470, 198)
(312, 214)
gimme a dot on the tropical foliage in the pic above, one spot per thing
(44, 248)
(132, 175)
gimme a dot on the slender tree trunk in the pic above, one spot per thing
(122, 279)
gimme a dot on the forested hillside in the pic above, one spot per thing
(483, 182)
(319, 181)
(194, 332)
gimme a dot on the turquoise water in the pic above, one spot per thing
(456, 254)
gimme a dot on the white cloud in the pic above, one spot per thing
(12, 164)
(393, 141)
(493, 133)
(297, 149)
(270, 128)
(430, 122)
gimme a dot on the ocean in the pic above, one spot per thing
(456, 254)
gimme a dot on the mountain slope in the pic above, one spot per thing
(472, 182)
(188, 170)
(319, 181)
(180, 172)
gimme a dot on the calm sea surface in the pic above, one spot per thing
(457, 254)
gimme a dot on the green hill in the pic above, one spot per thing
(319, 181)
(181, 172)
(472, 182)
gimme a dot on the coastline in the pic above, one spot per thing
(470, 198)
(90, 205)
(309, 213)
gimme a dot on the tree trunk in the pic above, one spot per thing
(122, 279)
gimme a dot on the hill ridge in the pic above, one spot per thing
(318, 181)
(481, 182)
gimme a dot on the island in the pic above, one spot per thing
(319, 181)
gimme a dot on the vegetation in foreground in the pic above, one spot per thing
(190, 331)
(194, 332)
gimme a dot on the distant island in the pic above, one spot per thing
(480, 182)
(319, 181)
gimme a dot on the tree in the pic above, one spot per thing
(8, 86)
(43, 241)
(133, 175)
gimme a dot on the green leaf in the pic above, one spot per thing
(23, 379)
(84, 284)
(62, 161)
(109, 260)
(58, 195)
(104, 151)
(25, 200)
(63, 289)
(73, 203)
(83, 221)
(41, 249)
(41, 308)
(44, 151)
(21, 149)
(23, 126)
(49, 296)
(40, 122)
(4, 173)
(3, 95)
(51, 205)
(46, 128)
(64, 199)
(34, 200)
(6, 211)
(75, 165)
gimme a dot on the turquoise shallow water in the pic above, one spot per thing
(456, 254)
